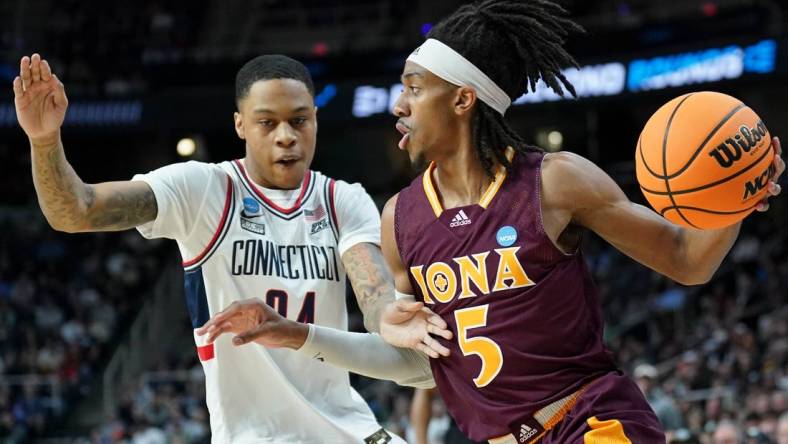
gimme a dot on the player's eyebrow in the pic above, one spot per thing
(410, 74)
(268, 111)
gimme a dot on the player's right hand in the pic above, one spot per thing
(252, 320)
(39, 97)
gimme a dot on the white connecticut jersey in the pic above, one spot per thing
(238, 243)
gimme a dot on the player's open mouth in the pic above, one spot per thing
(287, 161)
(405, 135)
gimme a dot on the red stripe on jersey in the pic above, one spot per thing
(331, 203)
(205, 352)
(296, 205)
(225, 213)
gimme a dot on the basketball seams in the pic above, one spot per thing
(720, 124)
(678, 208)
(665, 159)
(643, 159)
(713, 184)
(711, 134)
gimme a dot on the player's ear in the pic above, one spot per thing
(239, 124)
(464, 99)
(316, 120)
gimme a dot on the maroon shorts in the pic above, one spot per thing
(611, 410)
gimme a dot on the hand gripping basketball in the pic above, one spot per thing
(774, 188)
(706, 160)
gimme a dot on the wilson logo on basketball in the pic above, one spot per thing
(752, 187)
(745, 140)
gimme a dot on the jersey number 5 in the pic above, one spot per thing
(277, 299)
(486, 348)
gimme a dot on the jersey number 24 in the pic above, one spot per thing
(277, 299)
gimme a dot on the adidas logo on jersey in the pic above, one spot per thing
(526, 433)
(460, 219)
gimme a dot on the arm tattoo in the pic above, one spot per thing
(123, 209)
(60, 191)
(371, 281)
(70, 204)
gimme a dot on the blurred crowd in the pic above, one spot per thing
(64, 299)
(102, 48)
(167, 406)
(712, 360)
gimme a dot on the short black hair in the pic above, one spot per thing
(515, 43)
(267, 67)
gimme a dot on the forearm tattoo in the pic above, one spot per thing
(59, 189)
(70, 204)
(371, 280)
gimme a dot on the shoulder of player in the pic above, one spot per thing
(214, 173)
(187, 175)
(389, 209)
(563, 162)
(195, 167)
(340, 188)
(570, 181)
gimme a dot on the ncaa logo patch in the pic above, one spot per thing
(506, 236)
(251, 207)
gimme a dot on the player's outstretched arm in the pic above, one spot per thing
(252, 320)
(575, 191)
(68, 203)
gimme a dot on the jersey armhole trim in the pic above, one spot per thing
(328, 202)
(332, 207)
(221, 229)
(397, 233)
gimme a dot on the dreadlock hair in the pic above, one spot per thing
(267, 67)
(515, 43)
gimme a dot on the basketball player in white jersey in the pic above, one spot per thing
(264, 227)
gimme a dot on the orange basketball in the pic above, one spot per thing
(704, 159)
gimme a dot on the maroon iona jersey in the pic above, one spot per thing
(526, 319)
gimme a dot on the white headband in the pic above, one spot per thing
(452, 67)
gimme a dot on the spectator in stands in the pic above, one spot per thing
(665, 408)
(782, 429)
(727, 433)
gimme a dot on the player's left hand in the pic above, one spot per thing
(409, 324)
(252, 320)
(779, 167)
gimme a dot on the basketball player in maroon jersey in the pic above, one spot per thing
(488, 238)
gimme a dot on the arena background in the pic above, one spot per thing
(95, 345)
